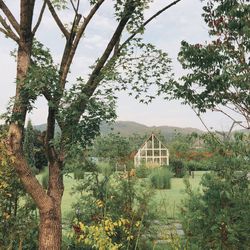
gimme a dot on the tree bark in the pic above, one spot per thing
(50, 229)
(48, 203)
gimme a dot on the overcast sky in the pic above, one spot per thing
(181, 22)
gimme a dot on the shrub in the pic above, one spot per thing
(218, 217)
(113, 211)
(197, 165)
(178, 168)
(142, 172)
(224, 207)
(105, 168)
(161, 178)
(78, 174)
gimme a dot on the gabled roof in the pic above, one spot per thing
(152, 134)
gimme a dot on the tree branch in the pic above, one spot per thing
(7, 30)
(95, 78)
(57, 19)
(75, 7)
(10, 16)
(204, 124)
(39, 19)
(67, 58)
(146, 23)
(92, 83)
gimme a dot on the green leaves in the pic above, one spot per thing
(218, 71)
(140, 69)
(134, 9)
(42, 77)
(100, 107)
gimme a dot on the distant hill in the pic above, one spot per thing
(127, 128)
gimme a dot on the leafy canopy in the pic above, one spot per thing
(218, 72)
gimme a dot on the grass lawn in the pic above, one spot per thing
(68, 197)
(167, 202)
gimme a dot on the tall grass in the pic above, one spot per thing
(161, 178)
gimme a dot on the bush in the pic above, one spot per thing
(78, 174)
(142, 172)
(218, 217)
(113, 211)
(105, 168)
(224, 207)
(197, 166)
(161, 178)
(178, 168)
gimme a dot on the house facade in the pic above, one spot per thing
(152, 153)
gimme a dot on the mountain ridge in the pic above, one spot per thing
(128, 128)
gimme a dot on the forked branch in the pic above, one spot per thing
(67, 58)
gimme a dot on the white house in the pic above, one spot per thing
(152, 153)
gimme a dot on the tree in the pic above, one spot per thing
(216, 217)
(219, 70)
(28, 145)
(19, 223)
(114, 148)
(219, 76)
(77, 111)
(33, 148)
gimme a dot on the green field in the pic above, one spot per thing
(165, 202)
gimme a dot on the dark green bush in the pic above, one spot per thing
(218, 217)
(224, 207)
(178, 168)
(197, 166)
(161, 178)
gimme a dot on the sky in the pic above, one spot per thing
(181, 22)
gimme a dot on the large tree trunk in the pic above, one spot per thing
(48, 203)
(50, 229)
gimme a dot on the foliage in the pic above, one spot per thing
(33, 148)
(28, 145)
(178, 168)
(142, 171)
(78, 174)
(217, 217)
(105, 169)
(161, 178)
(99, 236)
(219, 69)
(111, 208)
(197, 165)
(113, 148)
(18, 227)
